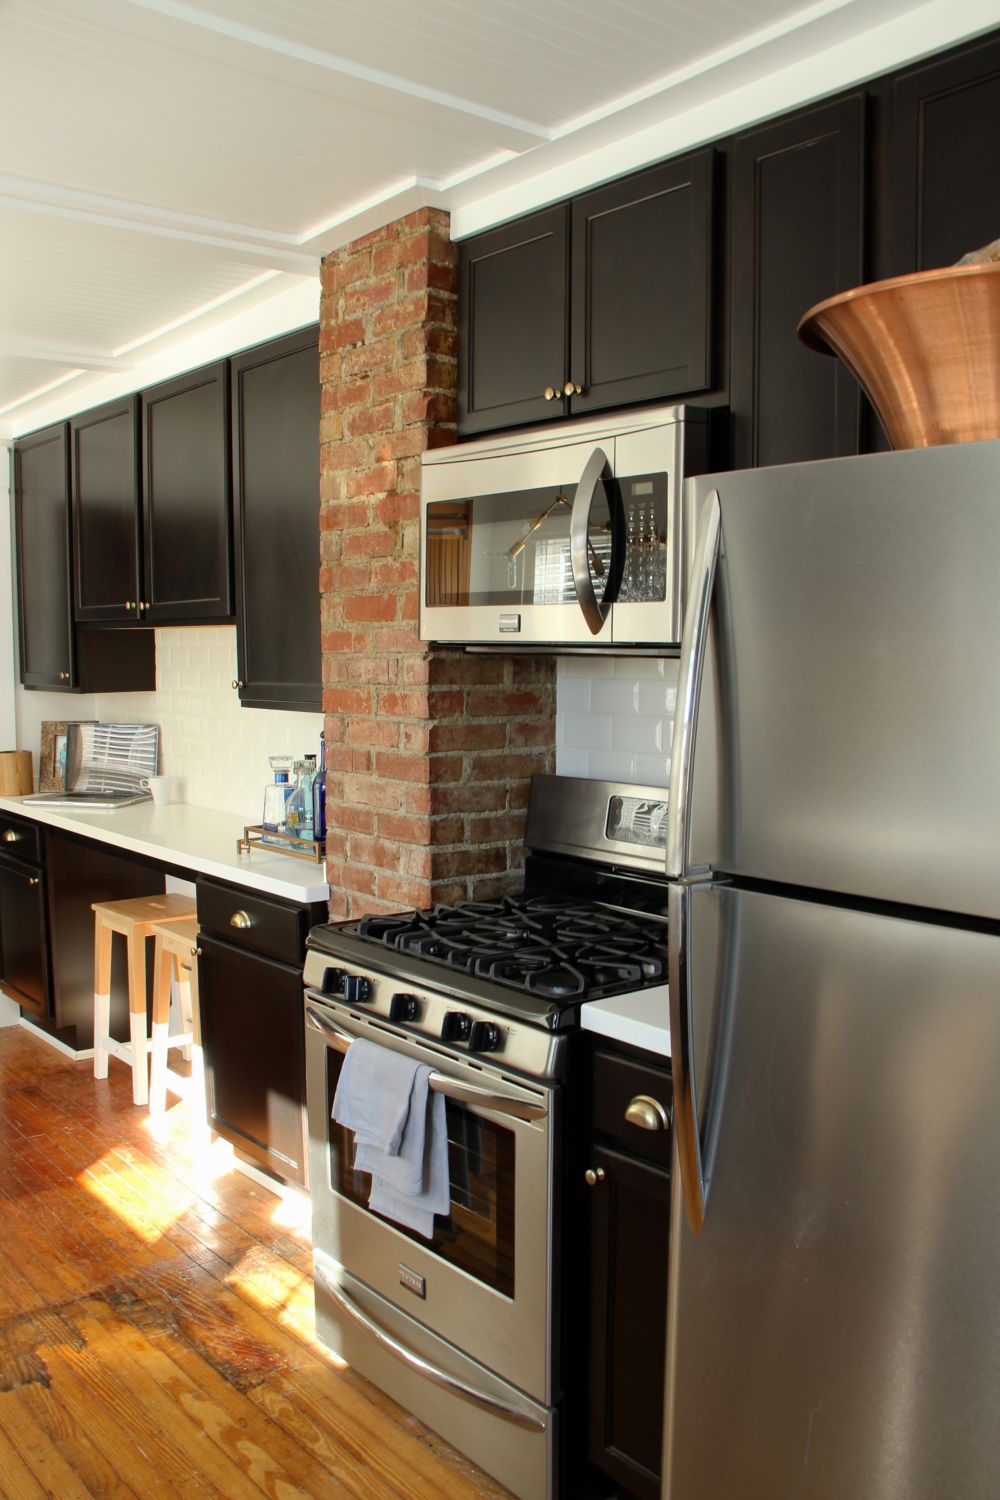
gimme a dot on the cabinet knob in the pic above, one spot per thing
(64, 677)
(648, 1113)
(33, 879)
(142, 605)
(128, 604)
(241, 919)
(10, 835)
(195, 952)
(593, 1176)
(237, 683)
(551, 392)
(572, 389)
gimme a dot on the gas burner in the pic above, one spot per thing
(551, 947)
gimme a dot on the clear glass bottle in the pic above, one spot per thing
(298, 813)
(319, 795)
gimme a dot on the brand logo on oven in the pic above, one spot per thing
(413, 1282)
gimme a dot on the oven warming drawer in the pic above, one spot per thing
(518, 1448)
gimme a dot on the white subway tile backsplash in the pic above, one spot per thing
(615, 717)
(217, 750)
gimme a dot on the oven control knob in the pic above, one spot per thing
(357, 989)
(484, 1037)
(404, 1008)
(456, 1026)
(333, 982)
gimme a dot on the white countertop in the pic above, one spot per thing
(641, 1020)
(195, 839)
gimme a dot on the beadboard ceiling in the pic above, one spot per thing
(164, 165)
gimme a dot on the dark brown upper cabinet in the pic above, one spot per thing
(55, 653)
(945, 179)
(593, 304)
(798, 225)
(641, 279)
(106, 534)
(186, 509)
(41, 509)
(275, 452)
(152, 530)
(514, 327)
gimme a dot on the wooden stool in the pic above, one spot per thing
(176, 959)
(135, 920)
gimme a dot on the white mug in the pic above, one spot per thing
(159, 788)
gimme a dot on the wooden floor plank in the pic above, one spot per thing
(157, 1334)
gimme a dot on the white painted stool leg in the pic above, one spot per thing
(137, 1018)
(102, 999)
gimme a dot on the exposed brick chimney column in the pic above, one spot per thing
(429, 751)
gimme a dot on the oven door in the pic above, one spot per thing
(484, 1282)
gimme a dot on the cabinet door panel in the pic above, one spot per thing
(252, 1028)
(105, 511)
(186, 498)
(641, 286)
(275, 445)
(513, 323)
(630, 1233)
(797, 239)
(946, 169)
(22, 936)
(41, 489)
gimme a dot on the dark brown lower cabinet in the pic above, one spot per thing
(79, 872)
(250, 988)
(23, 950)
(629, 1253)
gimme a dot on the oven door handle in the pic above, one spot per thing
(440, 1083)
(422, 1366)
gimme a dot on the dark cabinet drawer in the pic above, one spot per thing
(618, 1082)
(23, 955)
(262, 924)
(21, 840)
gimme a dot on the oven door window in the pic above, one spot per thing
(478, 1234)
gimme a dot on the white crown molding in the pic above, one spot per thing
(44, 352)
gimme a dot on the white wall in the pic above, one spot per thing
(217, 749)
(8, 614)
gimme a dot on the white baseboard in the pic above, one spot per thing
(53, 1041)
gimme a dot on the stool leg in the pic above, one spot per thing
(199, 1106)
(102, 998)
(164, 967)
(137, 1018)
(184, 1002)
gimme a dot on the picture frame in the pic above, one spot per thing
(52, 756)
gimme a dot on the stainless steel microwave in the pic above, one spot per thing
(575, 538)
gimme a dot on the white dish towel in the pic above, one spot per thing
(400, 1133)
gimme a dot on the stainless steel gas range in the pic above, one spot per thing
(478, 1331)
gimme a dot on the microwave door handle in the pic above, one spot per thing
(595, 612)
(440, 1083)
(694, 645)
(417, 1362)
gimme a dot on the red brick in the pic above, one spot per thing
(365, 420)
(372, 543)
(372, 792)
(401, 444)
(468, 862)
(370, 607)
(381, 853)
(392, 508)
(403, 767)
(401, 638)
(347, 701)
(339, 577)
(369, 358)
(402, 894)
(350, 878)
(500, 827)
(486, 704)
(374, 732)
(341, 640)
(349, 516)
(366, 294)
(350, 761)
(404, 704)
(408, 829)
(403, 378)
(395, 575)
(338, 335)
(376, 479)
(468, 736)
(505, 767)
(414, 737)
(416, 799)
(354, 819)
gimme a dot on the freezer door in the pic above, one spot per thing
(853, 669)
(834, 1328)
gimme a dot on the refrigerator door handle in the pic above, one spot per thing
(693, 647)
(686, 1133)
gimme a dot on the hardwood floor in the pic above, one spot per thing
(156, 1327)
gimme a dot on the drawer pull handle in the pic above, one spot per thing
(648, 1113)
(241, 919)
(593, 1176)
(10, 836)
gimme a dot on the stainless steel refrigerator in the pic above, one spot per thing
(834, 1308)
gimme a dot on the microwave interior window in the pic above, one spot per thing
(514, 548)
